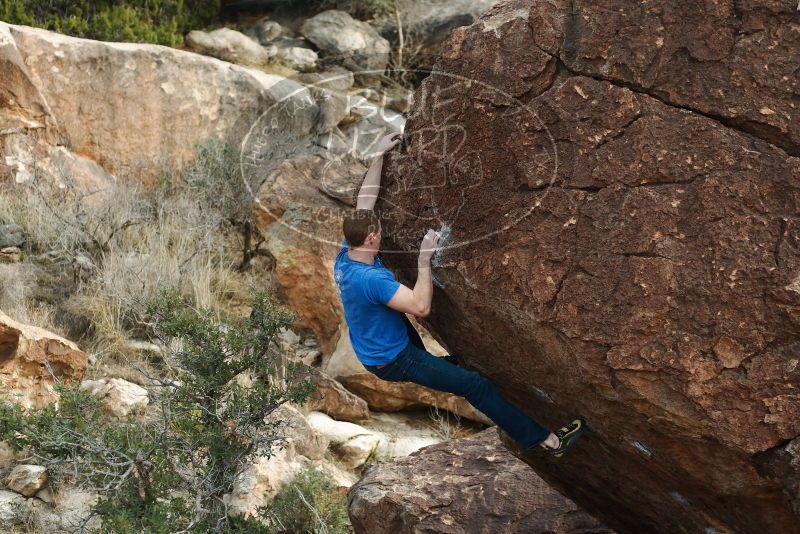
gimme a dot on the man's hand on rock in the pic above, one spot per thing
(428, 246)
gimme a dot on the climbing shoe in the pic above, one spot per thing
(566, 437)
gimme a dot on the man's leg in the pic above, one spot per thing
(416, 340)
(427, 370)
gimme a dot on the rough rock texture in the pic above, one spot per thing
(260, 481)
(230, 45)
(120, 397)
(13, 507)
(330, 397)
(26, 480)
(355, 43)
(91, 95)
(352, 443)
(622, 204)
(385, 396)
(467, 485)
(29, 359)
(302, 227)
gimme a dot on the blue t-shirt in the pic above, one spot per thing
(377, 332)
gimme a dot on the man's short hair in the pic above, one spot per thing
(358, 224)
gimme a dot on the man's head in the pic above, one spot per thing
(362, 228)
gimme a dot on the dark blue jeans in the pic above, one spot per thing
(415, 364)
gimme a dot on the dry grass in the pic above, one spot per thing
(17, 283)
(447, 425)
(119, 247)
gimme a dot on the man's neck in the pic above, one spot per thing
(363, 255)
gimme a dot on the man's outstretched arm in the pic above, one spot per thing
(417, 301)
(371, 187)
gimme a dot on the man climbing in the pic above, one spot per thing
(384, 340)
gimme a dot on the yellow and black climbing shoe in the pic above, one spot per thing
(567, 435)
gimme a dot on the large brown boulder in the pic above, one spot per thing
(463, 485)
(31, 359)
(618, 190)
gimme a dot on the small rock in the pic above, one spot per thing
(369, 94)
(46, 495)
(297, 58)
(287, 339)
(119, 396)
(266, 31)
(354, 42)
(330, 397)
(353, 443)
(310, 342)
(309, 356)
(10, 255)
(229, 45)
(33, 359)
(26, 479)
(356, 450)
(12, 235)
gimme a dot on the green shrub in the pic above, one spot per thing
(144, 21)
(170, 470)
(309, 504)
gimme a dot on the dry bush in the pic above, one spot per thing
(121, 245)
(446, 424)
(17, 282)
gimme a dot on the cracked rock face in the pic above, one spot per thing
(621, 189)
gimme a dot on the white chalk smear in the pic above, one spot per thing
(444, 236)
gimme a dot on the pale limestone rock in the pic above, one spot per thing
(174, 100)
(119, 397)
(13, 508)
(260, 481)
(298, 58)
(266, 31)
(301, 437)
(353, 42)
(353, 444)
(339, 477)
(26, 479)
(229, 45)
